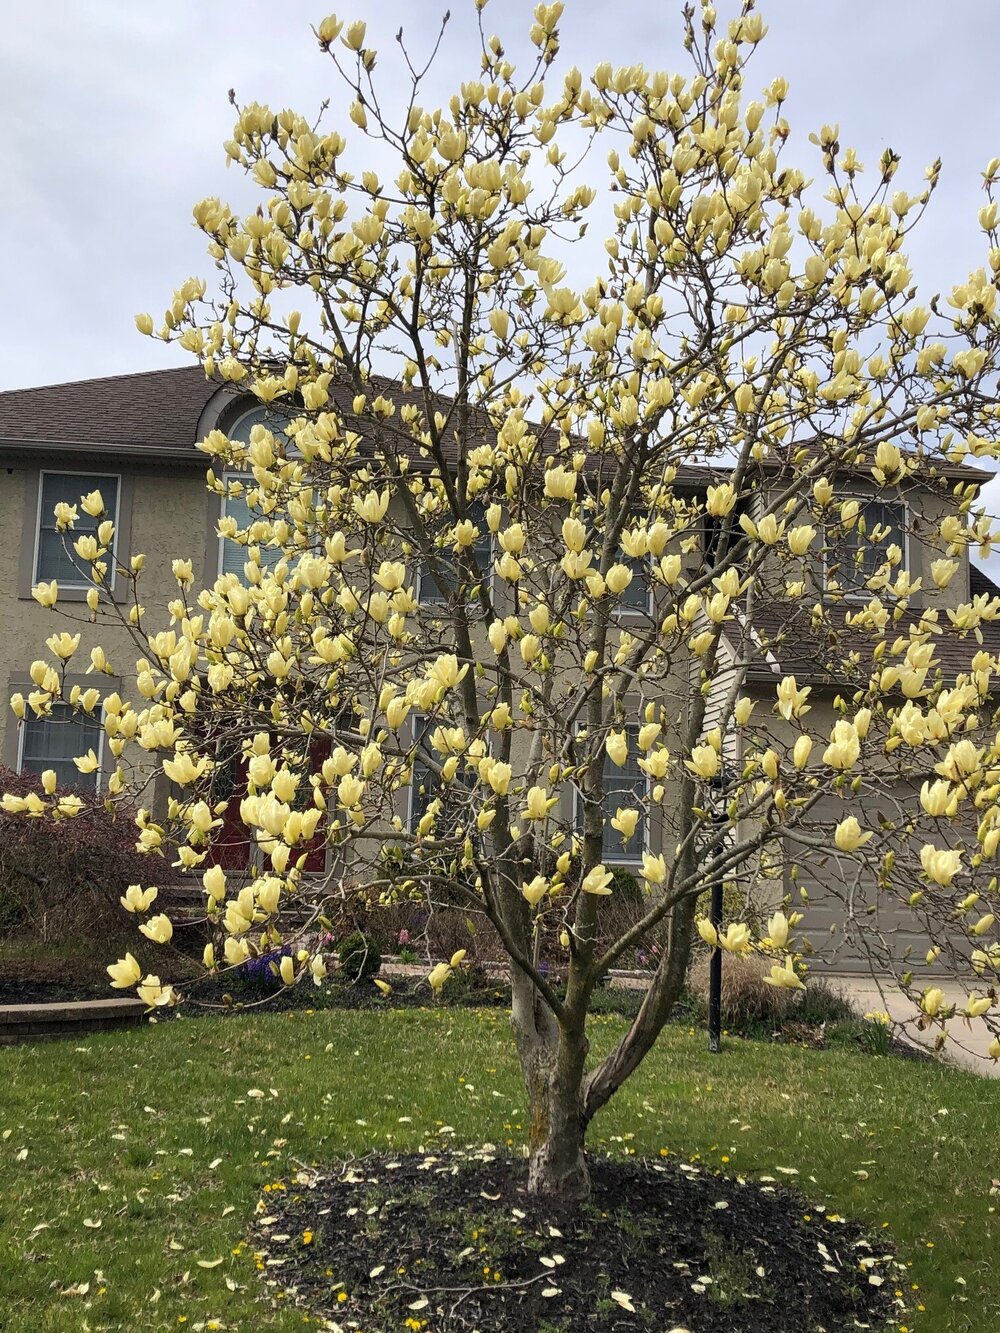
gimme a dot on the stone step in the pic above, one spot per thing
(66, 1018)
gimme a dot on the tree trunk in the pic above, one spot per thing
(553, 1076)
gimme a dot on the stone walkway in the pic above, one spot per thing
(967, 1043)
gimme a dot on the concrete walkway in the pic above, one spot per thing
(967, 1043)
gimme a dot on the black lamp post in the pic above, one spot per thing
(715, 916)
(715, 976)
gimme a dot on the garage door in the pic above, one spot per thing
(853, 925)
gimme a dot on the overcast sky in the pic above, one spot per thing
(116, 113)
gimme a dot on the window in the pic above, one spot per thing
(54, 554)
(429, 591)
(626, 787)
(637, 599)
(426, 786)
(855, 557)
(711, 531)
(233, 554)
(270, 416)
(55, 741)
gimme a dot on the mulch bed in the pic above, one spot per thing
(450, 1241)
(22, 990)
(209, 995)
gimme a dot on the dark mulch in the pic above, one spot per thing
(451, 1241)
(209, 995)
(22, 990)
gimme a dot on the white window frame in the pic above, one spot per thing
(22, 732)
(82, 583)
(622, 858)
(865, 594)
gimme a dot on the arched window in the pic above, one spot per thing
(261, 414)
(232, 555)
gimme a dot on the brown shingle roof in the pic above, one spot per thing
(150, 413)
(788, 642)
(155, 413)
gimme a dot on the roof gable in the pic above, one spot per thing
(148, 413)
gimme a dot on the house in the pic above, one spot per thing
(133, 437)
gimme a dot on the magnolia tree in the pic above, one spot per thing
(516, 529)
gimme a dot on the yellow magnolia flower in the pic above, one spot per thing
(597, 880)
(616, 747)
(704, 761)
(932, 1001)
(848, 835)
(720, 500)
(158, 929)
(777, 930)
(125, 973)
(792, 699)
(46, 594)
(372, 507)
(785, 977)
(537, 803)
(184, 770)
(654, 868)
(236, 951)
(625, 822)
(574, 535)
(742, 710)
(801, 751)
(535, 890)
(138, 899)
(707, 932)
(801, 538)
(736, 938)
(560, 482)
(618, 579)
(937, 798)
(153, 993)
(845, 746)
(940, 865)
(976, 1006)
(438, 976)
(63, 645)
(214, 882)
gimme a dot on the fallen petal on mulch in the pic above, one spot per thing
(451, 1241)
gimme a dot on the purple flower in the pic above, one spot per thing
(404, 937)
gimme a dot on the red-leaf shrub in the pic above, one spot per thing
(62, 879)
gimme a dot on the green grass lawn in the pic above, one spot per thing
(131, 1160)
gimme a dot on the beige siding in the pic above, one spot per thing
(171, 512)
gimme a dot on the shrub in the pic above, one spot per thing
(821, 1005)
(360, 957)
(61, 880)
(625, 886)
(746, 1001)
